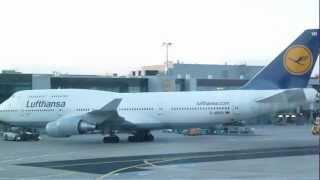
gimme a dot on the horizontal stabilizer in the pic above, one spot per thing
(289, 96)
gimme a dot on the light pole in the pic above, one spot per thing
(167, 44)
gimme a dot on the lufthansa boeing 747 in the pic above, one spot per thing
(279, 86)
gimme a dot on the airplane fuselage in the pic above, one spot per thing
(35, 108)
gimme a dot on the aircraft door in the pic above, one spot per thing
(24, 112)
(234, 110)
(160, 109)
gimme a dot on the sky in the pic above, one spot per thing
(117, 36)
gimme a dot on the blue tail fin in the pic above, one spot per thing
(292, 67)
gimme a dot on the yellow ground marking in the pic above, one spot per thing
(146, 162)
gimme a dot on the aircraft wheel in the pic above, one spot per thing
(135, 139)
(111, 139)
(149, 137)
(132, 139)
(141, 138)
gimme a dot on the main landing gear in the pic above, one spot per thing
(113, 138)
(138, 136)
(141, 136)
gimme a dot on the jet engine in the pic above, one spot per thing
(65, 127)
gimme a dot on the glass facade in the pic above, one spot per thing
(100, 83)
(180, 84)
(11, 83)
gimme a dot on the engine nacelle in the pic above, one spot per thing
(65, 127)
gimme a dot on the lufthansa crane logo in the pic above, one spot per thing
(297, 60)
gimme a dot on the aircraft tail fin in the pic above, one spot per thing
(292, 67)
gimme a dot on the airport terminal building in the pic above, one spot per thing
(179, 77)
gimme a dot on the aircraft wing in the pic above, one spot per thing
(289, 96)
(103, 119)
(107, 114)
(108, 109)
(107, 117)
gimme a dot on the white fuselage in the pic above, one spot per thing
(35, 108)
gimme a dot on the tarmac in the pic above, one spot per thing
(274, 152)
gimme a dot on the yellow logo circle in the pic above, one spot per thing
(298, 60)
